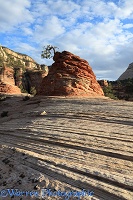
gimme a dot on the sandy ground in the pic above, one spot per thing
(51, 145)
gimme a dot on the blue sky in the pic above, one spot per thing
(100, 31)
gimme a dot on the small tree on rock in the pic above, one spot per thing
(48, 51)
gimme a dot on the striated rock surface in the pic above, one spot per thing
(128, 73)
(70, 75)
(80, 144)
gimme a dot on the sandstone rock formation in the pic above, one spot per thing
(16, 59)
(128, 73)
(19, 71)
(70, 75)
(33, 78)
(7, 83)
(103, 83)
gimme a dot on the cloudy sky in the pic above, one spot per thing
(100, 31)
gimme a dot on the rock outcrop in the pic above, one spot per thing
(15, 59)
(33, 78)
(70, 75)
(19, 71)
(103, 83)
(7, 83)
(128, 73)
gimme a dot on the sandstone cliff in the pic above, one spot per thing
(128, 73)
(70, 75)
(7, 82)
(14, 59)
(19, 71)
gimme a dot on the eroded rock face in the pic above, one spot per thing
(16, 59)
(70, 75)
(19, 71)
(12, 79)
(7, 83)
(33, 78)
(103, 83)
(128, 73)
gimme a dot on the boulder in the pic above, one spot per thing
(70, 75)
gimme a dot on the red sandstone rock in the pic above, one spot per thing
(70, 75)
(9, 89)
(10, 84)
(22, 72)
(7, 84)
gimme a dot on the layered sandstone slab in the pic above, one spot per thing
(80, 143)
(70, 76)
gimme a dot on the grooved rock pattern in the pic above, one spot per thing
(70, 75)
(78, 143)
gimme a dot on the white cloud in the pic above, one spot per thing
(127, 26)
(125, 10)
(51, 28)
(55, 7)
(27, 31)
(13, 13)
(99, 31)
(26, 47)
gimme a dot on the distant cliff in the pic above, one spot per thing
(19, 72)
(14, 59)
(128, 73)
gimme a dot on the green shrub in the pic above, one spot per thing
(129, 86)
(26, 98)
(127, 97)
(3, 97)
(22, 89)
(112, 96)
(108, 92)
(33, 91)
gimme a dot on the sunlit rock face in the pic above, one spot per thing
(18, 70)
(70, 75)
